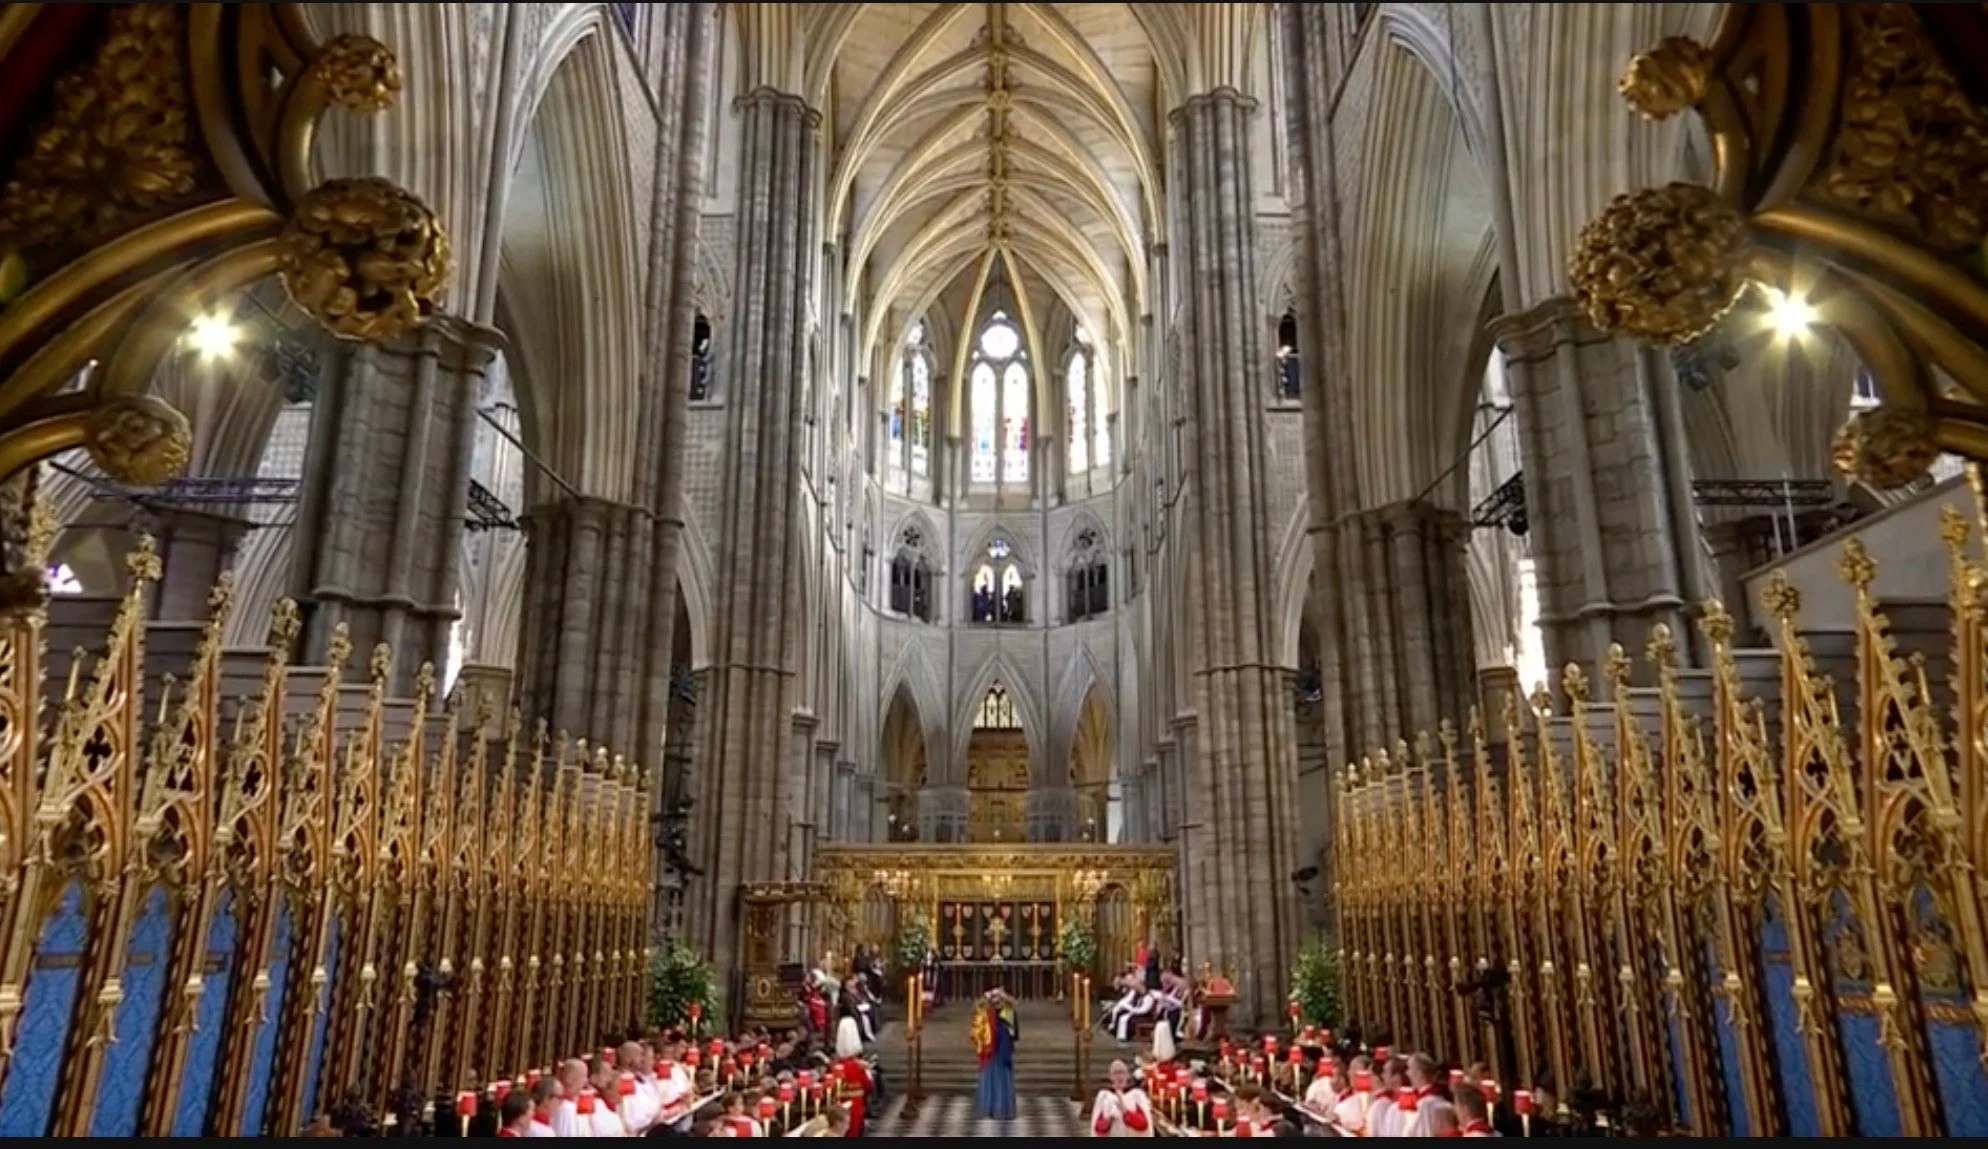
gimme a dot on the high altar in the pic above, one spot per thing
(994, 913)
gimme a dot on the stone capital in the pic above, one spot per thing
(1532, 334)
(1223, 96)
(454, 342)
(769, 97)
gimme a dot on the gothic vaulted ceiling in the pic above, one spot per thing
(1003, 142)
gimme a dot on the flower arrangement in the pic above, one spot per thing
(678, 980)
(1315, 984)
(914, 941)
(1076, 944)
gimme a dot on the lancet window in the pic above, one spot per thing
(1088, 394)
(700, 360)
(997, 711)
(1089, 578)
(998, 397)
(1290, 377)
(996, 589)
(909, 453)
(911, 577)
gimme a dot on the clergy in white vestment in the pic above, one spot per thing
(1122, 1108)
(641, 1106)
(604, 1121)
(566, 1110)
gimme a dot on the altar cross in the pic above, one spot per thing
(998, 929)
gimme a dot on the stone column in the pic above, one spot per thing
(1418, 602)
(1050, 814)
(195, 546)
(583, 663)
(749, 776)
(1241, 780)
(386, 482)
(1607, 484)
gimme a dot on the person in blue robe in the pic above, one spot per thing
(995, 1034)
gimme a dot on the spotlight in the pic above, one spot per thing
(213, 336)
(1790, 315)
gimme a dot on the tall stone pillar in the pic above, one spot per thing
(1416, 600)
(586, 578)
(752, 782)
(386, 482)
(1243, 912)
(195, 546)
(1607, 482)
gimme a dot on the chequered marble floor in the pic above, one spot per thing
(953, 1117)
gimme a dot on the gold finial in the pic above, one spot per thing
(1575, 681)
(143, 561)
(1663, 264)
(1953, 527)
(283, 624)
(382, 662)
(618, 769)
(424, 682)
(43, 526)
(601, 761)
(1668, 78)
(1857, 566)
(1716, 624)
(1476, 724)
(1542, 700)
(1780, 597)
(1381, 764)
(1446, 733)
(1662, 650)
(1615, 667)
(1425, 748)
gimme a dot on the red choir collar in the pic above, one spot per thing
(1477, 1126)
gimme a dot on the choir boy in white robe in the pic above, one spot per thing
(1122, 1108)
(604, 1121)
(1474, 1111)
(545, 1096)
(1420, 1104)
(1350, 1111)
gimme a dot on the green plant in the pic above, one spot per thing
(678, 979)
(1315, 984)
(1076, 944)
(914, 941)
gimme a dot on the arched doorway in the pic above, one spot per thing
(997, 770)
(904, 766)
(1093, 775)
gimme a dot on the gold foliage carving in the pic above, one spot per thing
(1854, 160)
(173, 168)
(1758, 849)
(119, 146)
(364, 257)
(400, 828)
(1663, 264)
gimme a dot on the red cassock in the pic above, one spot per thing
(855, 1079)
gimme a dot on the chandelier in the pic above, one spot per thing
(896, 884)
(1086, 884)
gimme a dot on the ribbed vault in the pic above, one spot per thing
(978, 142)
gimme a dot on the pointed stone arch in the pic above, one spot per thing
(904, 754)
(997, 668)
(1083, 677)
(913, 672)
(694, 577)
(976, 544)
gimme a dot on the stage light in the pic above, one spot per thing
(213, 336)
(1791, 315)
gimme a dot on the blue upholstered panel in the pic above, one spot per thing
(121, 1092)
(1953, 1044)
(27, 1101)
(1729, 1049)
(1791, 1058)
(196, 1086)
(263, 1063)
(321, 1027)
(1873, 1095)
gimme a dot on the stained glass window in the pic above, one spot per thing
(921, 414)
(1000, 404)
(1015, 424)
(997, 711)
(1077, 388)
(894, 448)
(986, 403)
